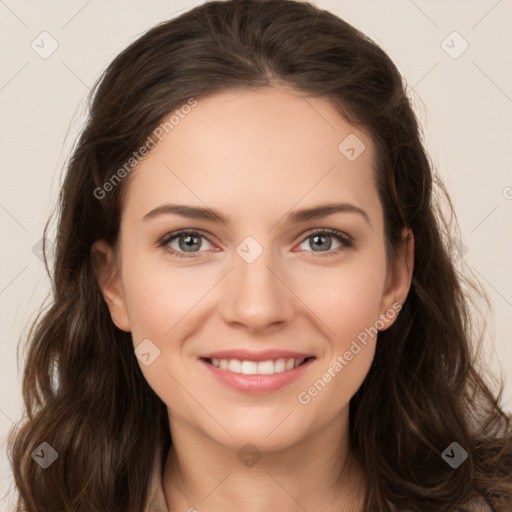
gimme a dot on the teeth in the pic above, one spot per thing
(265, 368)
(249, 367)
(280, 365)
(257, 368)
(235, 366)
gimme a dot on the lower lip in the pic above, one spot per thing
(257, 383)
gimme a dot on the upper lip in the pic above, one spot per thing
(249, 355)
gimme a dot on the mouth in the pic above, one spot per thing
(249, 367)
(256, 377)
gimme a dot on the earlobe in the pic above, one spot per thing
(399, 279)
(108, 276)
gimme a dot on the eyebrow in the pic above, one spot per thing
(296, 217)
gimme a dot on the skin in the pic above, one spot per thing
(255, 155)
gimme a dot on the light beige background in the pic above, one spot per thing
(464, 104)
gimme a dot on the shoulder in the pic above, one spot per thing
(476, 505)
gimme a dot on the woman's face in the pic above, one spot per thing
(269, 283)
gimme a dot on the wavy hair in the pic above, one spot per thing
(83, 390)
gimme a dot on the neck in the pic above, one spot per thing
(316, 473)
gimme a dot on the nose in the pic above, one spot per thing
(257, 294)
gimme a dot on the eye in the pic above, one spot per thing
(188, 243)
(322, 240)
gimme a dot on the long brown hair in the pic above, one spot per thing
(83, 389)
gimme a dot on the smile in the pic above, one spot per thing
(255, 377)
(257, 368)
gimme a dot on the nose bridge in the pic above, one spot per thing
(257, 296)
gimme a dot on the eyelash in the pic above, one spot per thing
(346, 241)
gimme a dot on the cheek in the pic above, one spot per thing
(158, 302)
(159, 299)
(351, 314)
(348, 304)
(347, 299)
(348, 307)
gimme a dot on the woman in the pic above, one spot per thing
(200, 352)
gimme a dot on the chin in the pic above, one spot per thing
(266, 435)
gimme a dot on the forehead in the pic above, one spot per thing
(264, 146)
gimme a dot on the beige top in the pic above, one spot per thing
(156, 498)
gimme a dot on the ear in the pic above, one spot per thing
(398, 280)
(108, 274)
